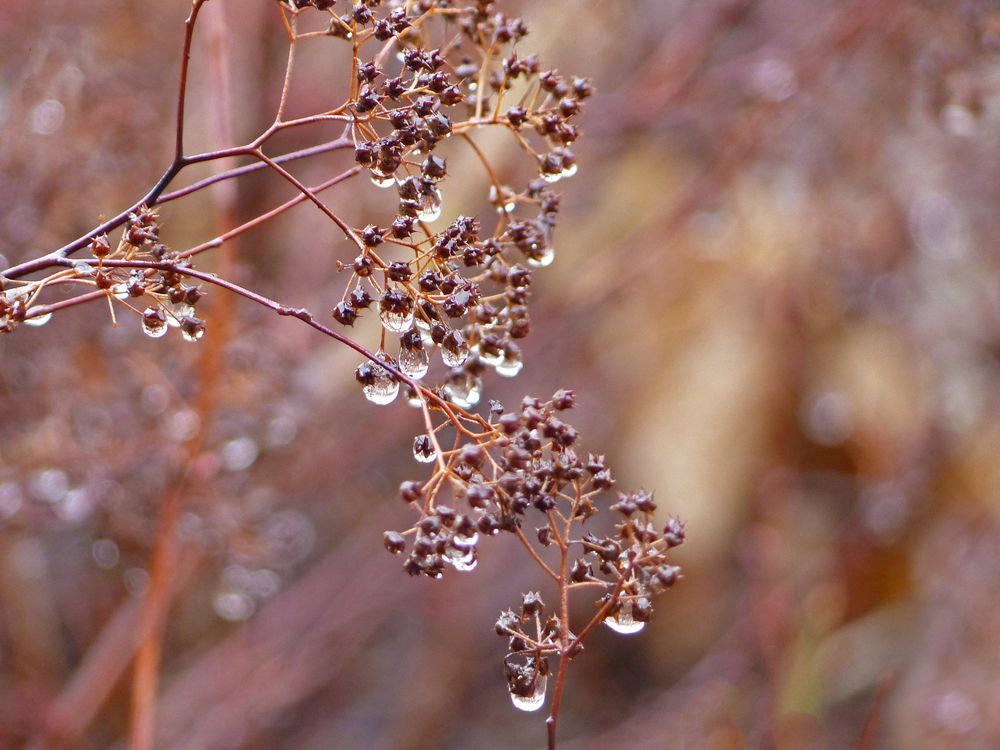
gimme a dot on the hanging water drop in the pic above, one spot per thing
(491, 358)
(382, 180)
(545, 259)
(533, 699)
(192, 328)
(423, 449)
(623, 622)
(467, 562)
(37, 320)
(154, 322)
(429, 208)
(454, 350)
(511, 364)
(412, 397)
(177, 312)
(378, 384)
(504, 199)
(395, 309)
(463, 390)
(414, 362)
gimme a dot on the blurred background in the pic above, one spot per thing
(776, 294)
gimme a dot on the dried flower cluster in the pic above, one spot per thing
(525, 467)
(422, 73)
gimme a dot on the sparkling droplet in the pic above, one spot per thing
(510, 366)
(430, 205)
(176, 312)
(414, 362)
(120, 290)
(569, 171)
(423, 449)
(545, 259)
(397, 322)
(378, 384)
(192, 328)
(505, 200)
(623, 622)
(154, 322)
(491, 359)
(455, 355)
(550, 177)
(381, 180)
(466, 562)
(534, 700)
(37, 320)
(395, 309)
(412, 397)
(463, 390)
(470, 540)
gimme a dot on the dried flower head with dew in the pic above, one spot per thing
(451, 298)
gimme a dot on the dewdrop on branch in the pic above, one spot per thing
(378, 384)
(623, 620)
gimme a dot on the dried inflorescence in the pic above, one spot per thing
(521, 470)
(423, 74)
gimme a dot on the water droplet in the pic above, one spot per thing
(379, 385)
(37, 320)
(397, 322)
(83, 269)
(552, 177)
(430, 205)
(395, 309)
(466, 562)
(176, 312)
(414, 362)
(120, 290)
(569, 171)
(412, 397)
(382, 180)
(423, 449)
(511, 365)
(463, 390)
(505, 199)
(491, 359)
(471, 540)
(534, 700)
(454, 352)
(154, 322)
(623, 622)
(192, 329)
(545, 259)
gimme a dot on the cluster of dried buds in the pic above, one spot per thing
(460, 290)
(522, 469)
(139, 271)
